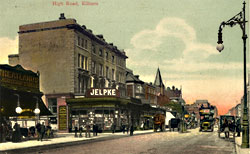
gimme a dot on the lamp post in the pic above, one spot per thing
(18, 108)
(37, 110)
(241, 20)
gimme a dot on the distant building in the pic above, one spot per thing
(199, 103)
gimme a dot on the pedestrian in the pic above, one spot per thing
(38, 130)
(17, 133)
(113, 128)
(48, 131)
(131, 130)
(238, 127)
(94, 129)
(123, 128)
(87, 133)
(76, 130)
(127, 128)
(32, 130)
(226, 128)
(80, 130)
(42, 131)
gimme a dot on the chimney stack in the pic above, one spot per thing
(62, 16)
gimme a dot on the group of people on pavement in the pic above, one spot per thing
(95, 128)
(87, 128)
(17, 133)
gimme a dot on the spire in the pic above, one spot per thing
(158, 80)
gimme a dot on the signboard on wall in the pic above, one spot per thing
(103, 92)
(62, 118)
(18, 78)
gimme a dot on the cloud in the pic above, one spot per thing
(174, 28)
(183, 60)
(7, 46)
(147, 52)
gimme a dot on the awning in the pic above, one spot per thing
(28, 100)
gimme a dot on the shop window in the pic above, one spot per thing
(52, 105)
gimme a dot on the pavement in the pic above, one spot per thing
(239, 150)
(61, 139)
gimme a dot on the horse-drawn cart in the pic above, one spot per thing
(227, 125)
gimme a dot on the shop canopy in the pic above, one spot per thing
(16, 83)
(28, 101)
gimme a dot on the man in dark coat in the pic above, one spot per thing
(42, 131)
(131, 130)
(38, 130)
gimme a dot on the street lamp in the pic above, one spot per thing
(18, 108)
(37, 110)
(241, 20)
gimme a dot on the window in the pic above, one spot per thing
(130, 90)
(82, 62)
(107, 56)
(100, 52)
(113, 74)
(81, 86)
(101, 70)
(52, 105)
(107, 72)
(113, 59)
(79, 60)
(93, 67)
(93, 48)
(82, 43)
(78, 40)
(86, 44)
(86, 63)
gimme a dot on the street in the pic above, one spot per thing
(192, 142)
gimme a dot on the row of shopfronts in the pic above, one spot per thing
(106, 111)
(20, 99)
(21, 102)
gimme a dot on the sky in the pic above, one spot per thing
(179, 37)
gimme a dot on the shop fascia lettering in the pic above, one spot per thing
(103, 92)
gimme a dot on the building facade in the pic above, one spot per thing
(70, 59)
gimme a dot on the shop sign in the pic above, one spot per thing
(102, 92)
(18, 80)
(62, 118)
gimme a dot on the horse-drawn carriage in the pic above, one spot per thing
(174, 123)
(227, 125)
